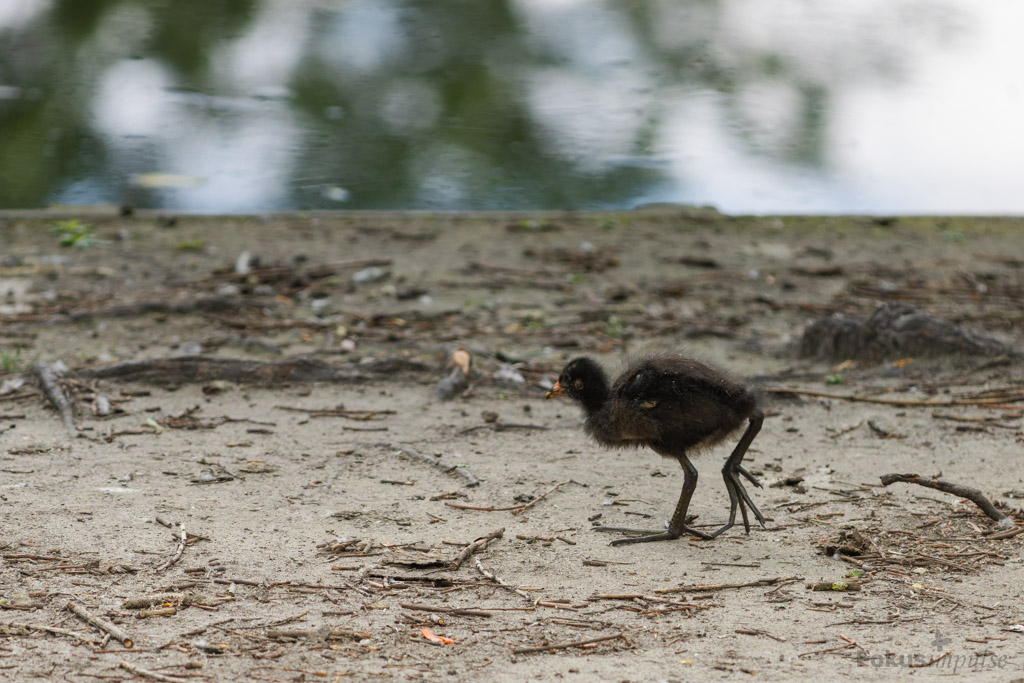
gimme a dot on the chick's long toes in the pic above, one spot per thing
(750, 477)
(660, 536)
(631, 530)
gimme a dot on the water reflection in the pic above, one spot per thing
(246, 105)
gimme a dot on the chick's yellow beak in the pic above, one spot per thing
(555, 392)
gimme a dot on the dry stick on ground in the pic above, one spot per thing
(847, 430)
(185, 369)
(562, 646)
(483, 508)
(973, 495)
(156, 612)
(446, 610)
(190, 598)
(719, 586)
(986, 421)
(490, 576)
(178, 552)
(514, 509)
(992, 402)
(759, 632)
(476, 545)
(303, 633)
(633, 597)
(360, 415)
(48, 382)
(100, 623)
(199, 305)
(536, 500)
(502, 426)
(933, 660)
(278, 273)
(47, 629)
(447, 468)
(835, 585)
(828, 650)
(146, 673)
(1009, 533)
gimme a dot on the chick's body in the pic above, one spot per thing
(674, 405)
(671, 404)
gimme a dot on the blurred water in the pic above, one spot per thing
(793, 106)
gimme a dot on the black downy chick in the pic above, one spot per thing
(673, 405)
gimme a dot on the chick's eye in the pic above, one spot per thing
(578, 383)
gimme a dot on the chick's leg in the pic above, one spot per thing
(677, 525)
(738, 496)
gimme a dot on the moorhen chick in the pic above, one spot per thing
(673, 405)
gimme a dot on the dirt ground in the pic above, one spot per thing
(313, 542)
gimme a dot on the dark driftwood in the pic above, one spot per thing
(895, 330)
(50, 385)
(189, 369)
(973, 495)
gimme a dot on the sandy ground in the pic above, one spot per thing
(307, 540)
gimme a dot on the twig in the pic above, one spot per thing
(325, 634)
(934, 660)
(536, 500)
(847, 430)
(884, 433)
(179, 551)
(447, 610)
(483, 508)
(563, 646)
(184, 369)
(48, 629)
(718, 586)
(501, 427)
(835, 585)
(100, 623)
(601, 563)
(826, 651)
(987, 421)
(759, 632)
(971, 494)
(514, 509)
(903, 402)
(1009, 533)
(360, 415)
(476, 545)
(433, 462)
(861, 622)
(47, 377)
(146, 673)
(490, 576)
